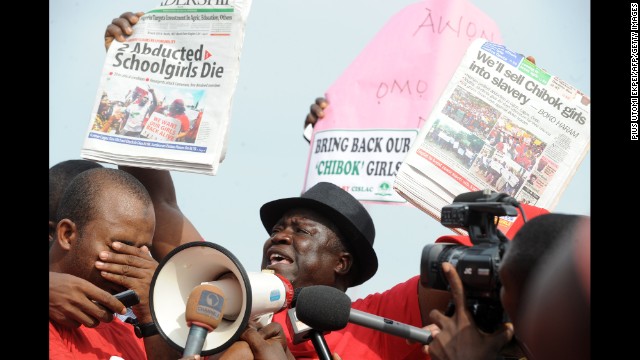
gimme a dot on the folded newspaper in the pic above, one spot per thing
(165, 94)
(502, 124)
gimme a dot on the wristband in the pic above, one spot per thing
(145, 330)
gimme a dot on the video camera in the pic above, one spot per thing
(477, 213)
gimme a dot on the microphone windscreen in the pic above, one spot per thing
(205, 306)
(323, 308)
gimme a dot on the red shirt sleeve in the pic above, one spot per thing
(184, 120)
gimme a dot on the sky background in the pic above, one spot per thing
(293, 51)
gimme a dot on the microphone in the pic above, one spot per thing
(301, 332)
(203, 314)
(326, 308)
(322, 349)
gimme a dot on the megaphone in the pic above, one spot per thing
(246, 295)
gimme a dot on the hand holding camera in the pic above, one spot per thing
(477, 266)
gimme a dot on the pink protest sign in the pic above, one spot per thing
(385, 95)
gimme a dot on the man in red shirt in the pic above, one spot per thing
(103, 235)
(176, 111)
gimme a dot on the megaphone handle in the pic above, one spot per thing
(195, 341)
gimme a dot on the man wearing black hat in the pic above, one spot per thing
(325, 225)
(325, 237)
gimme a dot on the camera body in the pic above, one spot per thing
(477, 265)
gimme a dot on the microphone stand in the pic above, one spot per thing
(320, 345)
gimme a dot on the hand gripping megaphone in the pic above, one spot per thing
(193, 269)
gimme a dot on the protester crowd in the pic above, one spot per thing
(110, 228)
(471, 112)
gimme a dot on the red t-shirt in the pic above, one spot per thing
(99, 343)
(184, 121)
(355, 342)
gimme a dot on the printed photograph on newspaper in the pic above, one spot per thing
(165, 94)
(502, 124)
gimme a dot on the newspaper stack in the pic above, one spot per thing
(502, 124)
(165, 95)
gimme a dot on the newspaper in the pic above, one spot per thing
(165, 95)
(502, 124)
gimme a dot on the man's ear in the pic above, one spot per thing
(67, 233)
(345, 261)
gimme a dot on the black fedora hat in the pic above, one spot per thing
(347, 213)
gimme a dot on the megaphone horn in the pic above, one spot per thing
(245, 295)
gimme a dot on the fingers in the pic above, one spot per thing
(121, 27)
(240, 350)
(255, 340)
(336, 356)
(310, 119)
(251, 336)
(97, 295)
(67, 322)
(271, 330)
(111, 270)
(128, 257)
(84, 312)
(322, 102)
(112, 32)
(266, 343)
(502, 336)
(439, 318)
(533, 60)
(74, 301)
(142, 252)
(100, 307)
(425, 349)
(274, 331)
(457, 289)
(91, 314)
(254, 323)
(432, 328)
(81, 317)
(126, 22)
(127, 267)
(111, 303)
(316, 111)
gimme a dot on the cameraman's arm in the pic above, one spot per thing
(459, 337)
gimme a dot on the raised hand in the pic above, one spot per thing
(459, 337)
(121, 27)
(74, 301)
(316, 111)
(132, 268)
